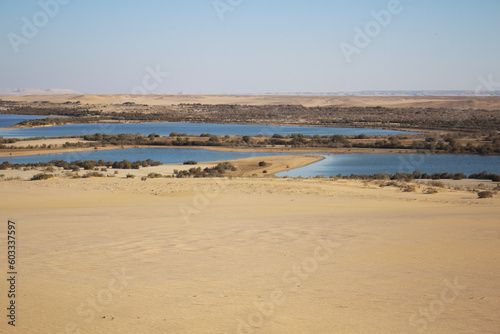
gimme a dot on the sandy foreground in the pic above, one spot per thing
(249, 255)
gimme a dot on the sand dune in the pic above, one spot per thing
(453, 102)
(251, 256)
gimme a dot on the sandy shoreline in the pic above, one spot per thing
(251, 255)
(27, 152)
(244, 167)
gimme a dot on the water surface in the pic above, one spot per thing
(333, 164)
(164, 129)
(368, 164)
(7, 121)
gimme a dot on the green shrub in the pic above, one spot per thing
(190, 162)
(154, 175)
(130, 176)
(262, 164)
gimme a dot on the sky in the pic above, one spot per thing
(249, 46)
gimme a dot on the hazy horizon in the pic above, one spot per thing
(250, 47)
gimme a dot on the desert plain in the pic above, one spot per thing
(250, 255)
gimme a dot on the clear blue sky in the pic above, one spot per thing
(261, 45)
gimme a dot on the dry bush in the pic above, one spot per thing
(438, 184)
(42, 176)
(485, 194)
(430, 191)
(409, 188)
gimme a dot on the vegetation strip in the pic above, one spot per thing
(330, 116)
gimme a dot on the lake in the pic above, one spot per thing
(11, 120)
(164, 129)
(347, 164)
(333, 164)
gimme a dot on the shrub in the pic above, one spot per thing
(409, 188)
(130, 176)
(459, 176)
(264, 171)
(4, 165)
(494, 177)
(391, 184)
(485, 194)
(438, 184)
(144, 178)
(430, 191)
(42, 176)
(154, 175)
(93, 174)
(190, 162)
(262, 164)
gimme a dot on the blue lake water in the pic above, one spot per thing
(347, 164)
(10, 120)
(334, 164)
(164, 129)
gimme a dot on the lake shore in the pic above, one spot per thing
(198, 255)
(244, 167)
(20, 152)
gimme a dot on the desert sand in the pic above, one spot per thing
(250, 255)
(453, 102)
